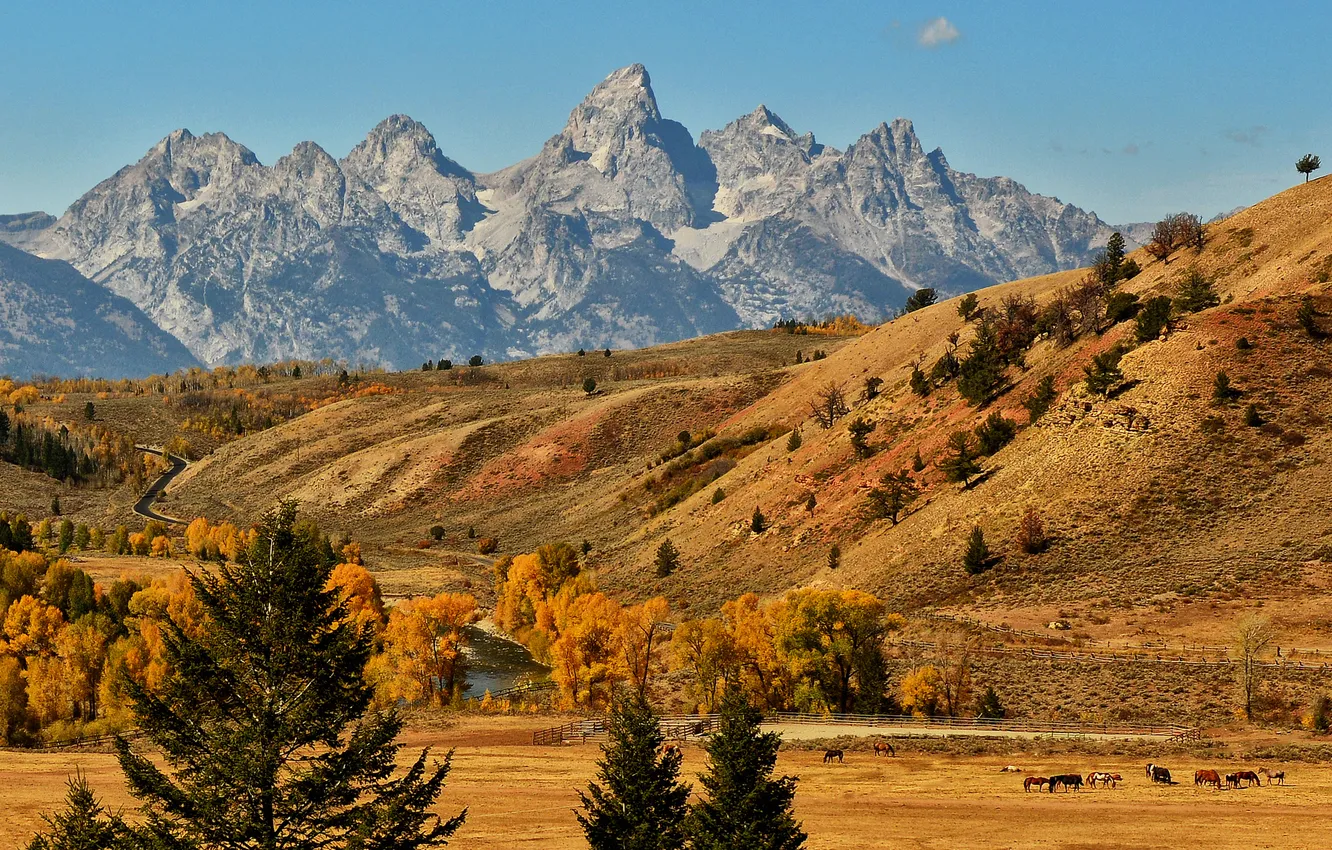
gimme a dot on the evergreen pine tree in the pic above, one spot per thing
(962, 464)
(1153, 319)
(1114, 258)
(638, 801)
(84, 824)
(982, 371)
(1104, 374)
(263, 721)
(1308, 164)
(834, 557)
(966, 308)
(793, 442)
(860, 431)
(918, 463)
(891, 497)
(920, 385)
(745, 805)
(977, 559)
(758, 523)
(919, 300)
(668, 559)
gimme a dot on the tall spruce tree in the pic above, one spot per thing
(263, 722)
(745, 806)
(638, 802)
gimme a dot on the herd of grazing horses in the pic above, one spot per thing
(1074, 781)
(1156, 773)
(881, 748)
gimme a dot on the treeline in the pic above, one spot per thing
(226, 414)
(192, 379)
(812, 650)
(847, 325)
(68, 643)
(77, 455)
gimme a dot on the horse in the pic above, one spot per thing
(1160, 774)
(1150, 767)
(1068, 780)
(883, 748)
(668, 748)
(1248, 777)
(1232, 780)
(829, 755)
(1106, 779)
(1207, 777)
(1039, 781)
(1279, 776)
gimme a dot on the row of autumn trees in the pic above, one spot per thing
(812, 650)
(70, 646)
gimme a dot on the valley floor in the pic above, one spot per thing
(518, 795)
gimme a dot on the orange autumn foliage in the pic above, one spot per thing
(423, 645)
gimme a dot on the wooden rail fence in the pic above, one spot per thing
(1286, 654)
(1110, 656)
(685, 727)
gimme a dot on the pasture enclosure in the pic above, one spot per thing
(519, 795)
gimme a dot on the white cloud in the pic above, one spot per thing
(937, 32)
(1252, 136)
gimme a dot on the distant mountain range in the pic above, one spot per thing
(622, 231)
(55, 321)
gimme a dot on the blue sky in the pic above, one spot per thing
(1130, 109)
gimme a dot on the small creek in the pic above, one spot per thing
(494, 662)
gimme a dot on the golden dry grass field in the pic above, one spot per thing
(518, 795)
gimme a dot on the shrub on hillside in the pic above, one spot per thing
(487, 545)
(1153, 319)
(1121, 307)
(994, 433)
(1195, 292)
(1038, 403)
(1031, 537)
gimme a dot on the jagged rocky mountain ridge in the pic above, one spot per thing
(621, 231)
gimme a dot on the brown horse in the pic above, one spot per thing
(1278, 776)
(829, 755)
(883, 748)
(1248, 777)
(1207, 777)
(1038, 781)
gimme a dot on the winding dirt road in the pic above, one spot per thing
(144, 507)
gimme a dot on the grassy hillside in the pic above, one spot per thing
(1163, 508)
